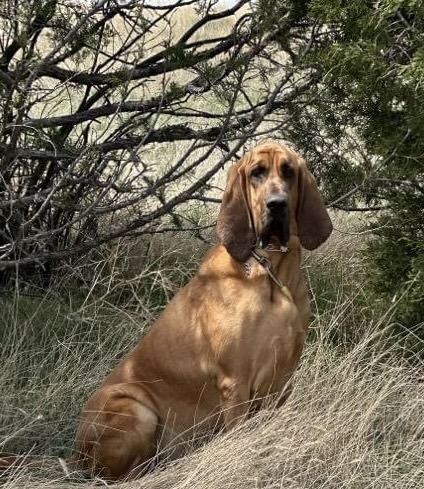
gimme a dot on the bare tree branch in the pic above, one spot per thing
(114, 120)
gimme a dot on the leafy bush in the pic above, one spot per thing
(395, 268)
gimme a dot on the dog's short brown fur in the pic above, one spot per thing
(229, 339)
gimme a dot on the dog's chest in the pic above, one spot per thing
(275, 352)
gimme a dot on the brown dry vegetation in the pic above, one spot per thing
(165, 32)
(354, 419)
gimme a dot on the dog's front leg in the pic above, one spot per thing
(234, 401)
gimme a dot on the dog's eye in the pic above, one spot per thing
(258, 172)
(287, 171)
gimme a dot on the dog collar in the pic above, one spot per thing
(266, 263)
(270, 247)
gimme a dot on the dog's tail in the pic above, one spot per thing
(11, 463)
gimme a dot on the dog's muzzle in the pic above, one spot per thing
(276, 221)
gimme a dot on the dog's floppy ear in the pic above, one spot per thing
(234, 228)
(314, 223)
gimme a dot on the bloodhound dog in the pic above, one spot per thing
(227, 341)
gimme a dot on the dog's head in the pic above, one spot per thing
(269, 196)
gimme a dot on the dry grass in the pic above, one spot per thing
(354, 419)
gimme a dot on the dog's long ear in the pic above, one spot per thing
(314, 223)
(234, 229)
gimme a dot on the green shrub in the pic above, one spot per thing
(395, 268)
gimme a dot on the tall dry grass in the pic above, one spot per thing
(354, 419)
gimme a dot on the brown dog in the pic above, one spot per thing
(230, 338)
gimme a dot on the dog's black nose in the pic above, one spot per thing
(277, 203)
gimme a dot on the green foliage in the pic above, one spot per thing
(371, 59)
(396, 261)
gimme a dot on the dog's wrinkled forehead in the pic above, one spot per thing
(269, 154)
